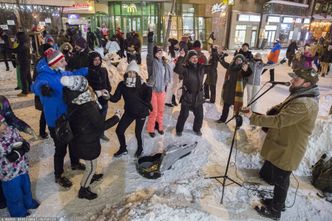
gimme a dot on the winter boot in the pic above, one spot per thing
(198, 133)
(179, 133)
(85, 193)
(63, 181)
(43, 135)
(79, 166)
(221, 120)
(96, 177)
(153, 134)
(120, 152)
(138, 152)
(174, 101)
(268, 212)
(268, 202)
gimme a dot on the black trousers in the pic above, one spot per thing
(60, 153)
(42, 124)
(225, 112)
(124, 123)
(3, 51)
(25, 77)
(271, 74)
(280, 179)
(184, 113)
(207, 90)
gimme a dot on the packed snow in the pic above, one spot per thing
(182, 193)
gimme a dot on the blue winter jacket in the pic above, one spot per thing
(54, 106)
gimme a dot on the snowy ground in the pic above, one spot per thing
(182, 193)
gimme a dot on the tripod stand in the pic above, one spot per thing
(238, 124)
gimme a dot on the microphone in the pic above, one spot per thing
(280, 82)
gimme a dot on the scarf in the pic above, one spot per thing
(239, 88)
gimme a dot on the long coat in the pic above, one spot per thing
(232, 74)
(287, 138)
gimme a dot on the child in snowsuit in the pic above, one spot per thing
(137, 98)
(14, 171)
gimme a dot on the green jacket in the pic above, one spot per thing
(287, 138)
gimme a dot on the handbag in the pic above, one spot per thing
(63, 132)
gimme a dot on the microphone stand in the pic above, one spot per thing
(254, 100)
(238, 124)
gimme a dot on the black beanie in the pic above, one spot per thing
(197, 44)
(191, 53)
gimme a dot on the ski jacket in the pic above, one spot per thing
(54, 105)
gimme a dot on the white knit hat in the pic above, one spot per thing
(75, 82)
(133, 66)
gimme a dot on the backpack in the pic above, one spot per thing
(322, 174)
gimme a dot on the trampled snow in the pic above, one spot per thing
(182, 193)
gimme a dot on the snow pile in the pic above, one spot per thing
(320, 142)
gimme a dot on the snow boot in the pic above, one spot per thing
(268, 212)
(85, 193)
(198, 133)
(63, 181)
(174, 101)
(120, 152)
(138, 152)
(79, 166)
(153, 134)
(96, 177)
(269, 201)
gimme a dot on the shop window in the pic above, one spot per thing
(273, 19)
(252, 18)
(188, 8)
(270, 27)
(201, 29)
(306, 21)
(288, 20)
(240, 34)
(298, 20)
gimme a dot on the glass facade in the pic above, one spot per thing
(188, 19)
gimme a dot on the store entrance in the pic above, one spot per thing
(132, 23)
(270, 36)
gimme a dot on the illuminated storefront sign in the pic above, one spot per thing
(218, 7)
(131, 8)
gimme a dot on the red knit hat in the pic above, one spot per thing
(53, 56)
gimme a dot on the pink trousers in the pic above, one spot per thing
(157, 114)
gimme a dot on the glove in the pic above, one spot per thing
(20, 148)
(150, 37)
(46, 90)
(118, 113)
(31, 132)
(106, 94)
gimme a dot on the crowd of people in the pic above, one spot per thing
(71, 83)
